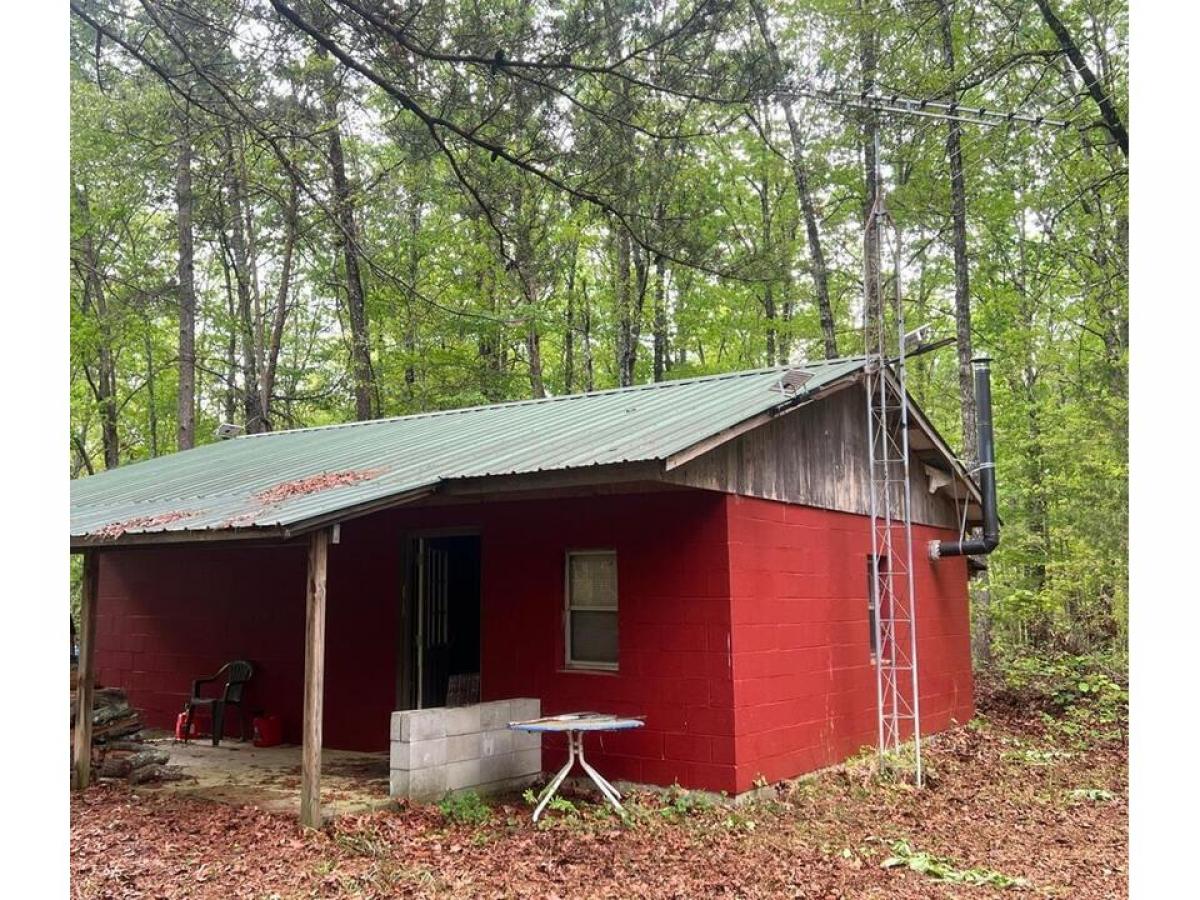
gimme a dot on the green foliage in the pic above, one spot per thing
(1091, 684)
(559, 803)
(678, 803)
(1081, 698)
(941, 869)
(466, 808)
(484, 283)
(739, 820)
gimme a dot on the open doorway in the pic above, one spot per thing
(440, 656)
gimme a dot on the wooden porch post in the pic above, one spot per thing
(81, 769)
(314, 680)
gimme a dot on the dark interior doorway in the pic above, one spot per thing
(444, 581)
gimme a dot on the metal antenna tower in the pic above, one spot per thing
(897, 678)
(897, 687)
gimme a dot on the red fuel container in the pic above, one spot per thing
(180, 724)
(268, 731)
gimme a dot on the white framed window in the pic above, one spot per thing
(591, 609)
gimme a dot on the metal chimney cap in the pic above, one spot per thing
(981, 361)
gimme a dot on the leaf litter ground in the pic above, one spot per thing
(1009, 795)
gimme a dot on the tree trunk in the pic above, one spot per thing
(768, 302)
(623, 189)
(962, 279)
(812, 230)
(346, 240)
(151, 399)
(491, 342)
(104, 386)
(867, 53)
(186, 275)
(1108, 112)
(533, 348)
(626, 351)
(816, 255)
(527, 275)
(768, 249)
(641, 286)
(662, 350)
(569, 325)
(83, 460)
(231, 366)
(236, 192)
(589, 368)
(279, 317)
(410, 310)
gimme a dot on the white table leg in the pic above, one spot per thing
(557, 780)
(611, 794)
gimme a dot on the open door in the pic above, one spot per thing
(444, 579)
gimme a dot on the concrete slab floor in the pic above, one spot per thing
(241, 774)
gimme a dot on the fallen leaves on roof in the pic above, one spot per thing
(312, 484)
(114, 530)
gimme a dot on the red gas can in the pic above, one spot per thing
(268, 731)
(181, 724)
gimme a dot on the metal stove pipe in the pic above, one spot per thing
(990, 539)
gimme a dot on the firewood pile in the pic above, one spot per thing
(119, 748)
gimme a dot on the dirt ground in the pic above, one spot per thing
(1012, 802)
(269, 777)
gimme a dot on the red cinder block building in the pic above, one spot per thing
(697, 552)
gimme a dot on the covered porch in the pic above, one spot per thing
(397, 610)
(269, 778)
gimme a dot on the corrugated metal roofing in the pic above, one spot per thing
(284, 478)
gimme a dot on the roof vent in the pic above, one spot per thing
(225, 431)
(792, 380)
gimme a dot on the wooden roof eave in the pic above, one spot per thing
(788, 405)
(258, 534)
(82, 542)
(944, 453)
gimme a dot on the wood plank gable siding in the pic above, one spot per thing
(815, 456)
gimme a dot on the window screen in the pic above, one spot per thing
(592, 609)
(875, 578)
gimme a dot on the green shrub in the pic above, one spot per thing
(1059, 682)
(465, 809)
(1081, 698)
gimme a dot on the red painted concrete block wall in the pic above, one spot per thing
(171, 614)
(743, 628)
(804, 682)
(673, 622)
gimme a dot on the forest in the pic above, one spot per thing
(294, 212)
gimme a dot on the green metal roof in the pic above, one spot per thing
(280, 480)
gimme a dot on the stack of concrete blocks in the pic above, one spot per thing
(447, 749)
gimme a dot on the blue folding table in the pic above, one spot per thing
(574, 725)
